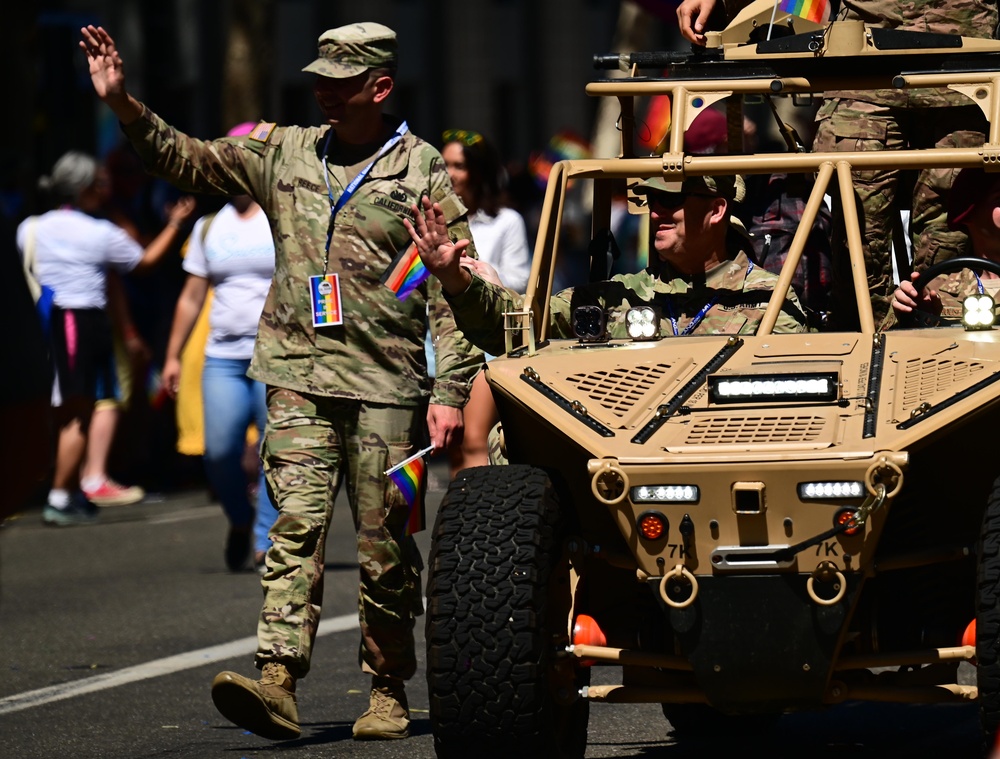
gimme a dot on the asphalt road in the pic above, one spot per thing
(111, 634)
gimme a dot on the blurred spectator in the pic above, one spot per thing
(69, 251)
(146, 440)
(130, 358)
(232, 253)
(501, 240)
(574, 263)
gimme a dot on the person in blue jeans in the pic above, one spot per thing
(233, 252)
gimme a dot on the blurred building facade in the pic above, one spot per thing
(513, 69)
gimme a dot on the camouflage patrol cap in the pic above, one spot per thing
(353, 49)
(729, 186)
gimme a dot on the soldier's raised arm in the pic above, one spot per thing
(692, 16)
(107, 73)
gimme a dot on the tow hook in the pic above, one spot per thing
(679, 572)
(827, 572)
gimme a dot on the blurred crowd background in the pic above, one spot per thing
(513, 70)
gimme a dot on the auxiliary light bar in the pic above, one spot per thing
(825, 491)
(818, 387)
(665, 494)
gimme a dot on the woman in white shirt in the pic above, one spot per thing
(501, 241)
(69, 250)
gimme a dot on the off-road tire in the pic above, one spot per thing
(496, 605)
(988, 619)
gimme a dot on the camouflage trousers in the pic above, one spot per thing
(853, 125)
(310, 444)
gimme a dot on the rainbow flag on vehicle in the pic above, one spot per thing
(816, 11)
(409, 478)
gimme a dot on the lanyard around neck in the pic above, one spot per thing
(336, 205)
(696, 320)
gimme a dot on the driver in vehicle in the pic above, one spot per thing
(975, 205)
(700, 282)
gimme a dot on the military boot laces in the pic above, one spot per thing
(265, 707)
(388, 716)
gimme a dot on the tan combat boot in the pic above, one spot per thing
(388, 716)
(266, 707)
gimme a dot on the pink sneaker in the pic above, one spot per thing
(110, 493)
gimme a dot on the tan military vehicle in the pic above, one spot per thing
(740, 526)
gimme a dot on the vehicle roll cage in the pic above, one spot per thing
(840, 56)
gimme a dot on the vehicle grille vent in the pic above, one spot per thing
(756, 430)
(620, 389)
(926, 377)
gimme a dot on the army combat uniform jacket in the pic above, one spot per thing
(953, 289)
(731, 299)
(377, 354)
(968, 18)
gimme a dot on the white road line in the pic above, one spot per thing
(166, 666)
(183, 516)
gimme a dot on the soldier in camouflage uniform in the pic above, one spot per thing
(974, 205)
(891, 120)
(902, 119)
(700, 282)
(343, 358)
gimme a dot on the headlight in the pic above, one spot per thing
(826, 491)
(642, 323)
(816, 387)
(589, 323)
(977, 312)
(665, 494)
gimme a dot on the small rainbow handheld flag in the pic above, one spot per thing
(812, 10)
(409, 478)
(406, 273)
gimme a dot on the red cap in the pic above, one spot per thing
(707, 134)
(970, 187)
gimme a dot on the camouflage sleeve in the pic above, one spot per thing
(457, 360)
(791, 318)
(220, 167)
(561, 312)
(953, 289)
(479, 313)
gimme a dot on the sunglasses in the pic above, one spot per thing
(673, 199)
(464, 136)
